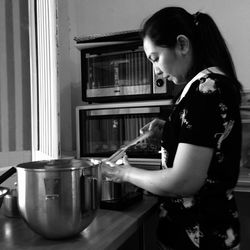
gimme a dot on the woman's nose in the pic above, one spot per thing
(157, 71)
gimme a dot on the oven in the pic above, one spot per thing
(103, 128)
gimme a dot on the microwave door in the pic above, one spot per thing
(118, 75)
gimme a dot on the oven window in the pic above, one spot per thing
(101, 136)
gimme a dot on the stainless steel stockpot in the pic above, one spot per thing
(58, 198)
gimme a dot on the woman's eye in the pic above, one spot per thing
(154, 60)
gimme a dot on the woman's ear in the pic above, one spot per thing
(182, 44)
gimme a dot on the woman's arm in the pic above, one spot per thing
(186, 177)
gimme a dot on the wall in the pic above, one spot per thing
(88, 17)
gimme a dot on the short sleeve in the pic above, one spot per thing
(201, 117)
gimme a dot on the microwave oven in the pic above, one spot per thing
(119, 70)
(101, 129)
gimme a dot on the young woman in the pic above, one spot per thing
(201, 139)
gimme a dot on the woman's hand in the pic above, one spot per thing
(115, 172)
(155, 127)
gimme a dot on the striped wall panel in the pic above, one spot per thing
(15, 114)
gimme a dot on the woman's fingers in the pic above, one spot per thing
(145, 128)
(107, 170)
(110, 164)
(156, 123)
(125, 160)
(113, 171)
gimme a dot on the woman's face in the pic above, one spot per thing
(172, 63)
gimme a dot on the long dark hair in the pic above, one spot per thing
(209, 47)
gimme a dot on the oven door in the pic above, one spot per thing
(103, 129)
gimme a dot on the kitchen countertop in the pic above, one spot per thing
(109, 230)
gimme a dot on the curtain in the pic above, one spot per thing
(15, 105)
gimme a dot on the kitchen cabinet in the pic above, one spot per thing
(244, 177)
(131, 228)
(242, 199)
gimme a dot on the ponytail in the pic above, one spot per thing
(211, 46)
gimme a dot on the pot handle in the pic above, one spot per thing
(7, 174)
(94, 191)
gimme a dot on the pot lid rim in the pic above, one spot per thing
(56, 165)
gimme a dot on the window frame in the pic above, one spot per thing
(44, 80)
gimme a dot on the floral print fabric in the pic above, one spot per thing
(208, 116)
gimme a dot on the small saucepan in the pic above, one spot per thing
(3, 192)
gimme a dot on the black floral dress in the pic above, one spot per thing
(208, 115)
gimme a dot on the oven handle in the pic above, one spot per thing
(124, 111)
